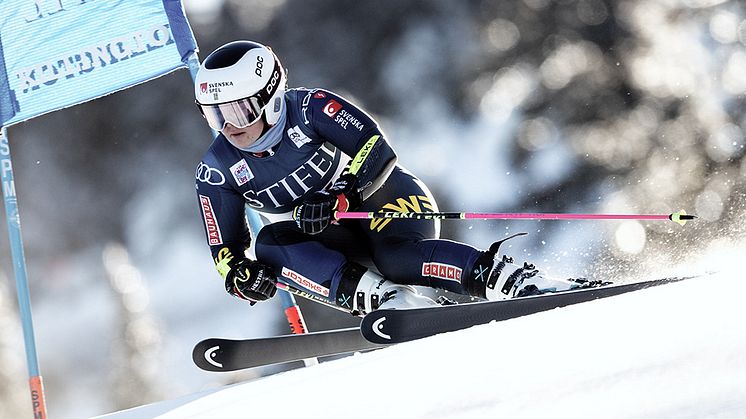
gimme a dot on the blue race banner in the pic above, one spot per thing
(58, 53)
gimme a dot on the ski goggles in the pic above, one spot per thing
(240, 113)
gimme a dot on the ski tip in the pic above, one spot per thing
(681, 217)
(208, 355)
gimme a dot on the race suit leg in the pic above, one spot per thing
(410, 251)
(314, 263)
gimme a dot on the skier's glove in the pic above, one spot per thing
(317, 211)
(251, 280)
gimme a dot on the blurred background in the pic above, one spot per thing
(526, 106)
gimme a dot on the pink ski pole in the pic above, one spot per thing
(680, 217)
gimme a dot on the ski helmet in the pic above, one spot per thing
(238, 83)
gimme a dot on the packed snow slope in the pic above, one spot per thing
(675, 351)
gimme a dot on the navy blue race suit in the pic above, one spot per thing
(323, 132)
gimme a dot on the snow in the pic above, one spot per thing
(675, 351)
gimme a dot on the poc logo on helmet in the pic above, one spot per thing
(272, 83)
(259, 65)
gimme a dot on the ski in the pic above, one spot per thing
(221, 355)
(385, 327)
(401, 325)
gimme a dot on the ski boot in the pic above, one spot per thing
(362, 291)
(494, 279)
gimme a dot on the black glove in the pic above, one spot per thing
(251, 280)
(317, 211)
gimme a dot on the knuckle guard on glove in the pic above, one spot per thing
(315, 214)
(317, 211)
(251, 280)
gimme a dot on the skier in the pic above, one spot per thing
(298, 156)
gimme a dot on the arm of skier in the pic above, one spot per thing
(357, 135)
(222, 211)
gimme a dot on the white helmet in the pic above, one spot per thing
(239, 82)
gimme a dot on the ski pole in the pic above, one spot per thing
(284, 286)
(293, 314)
(680, 217)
